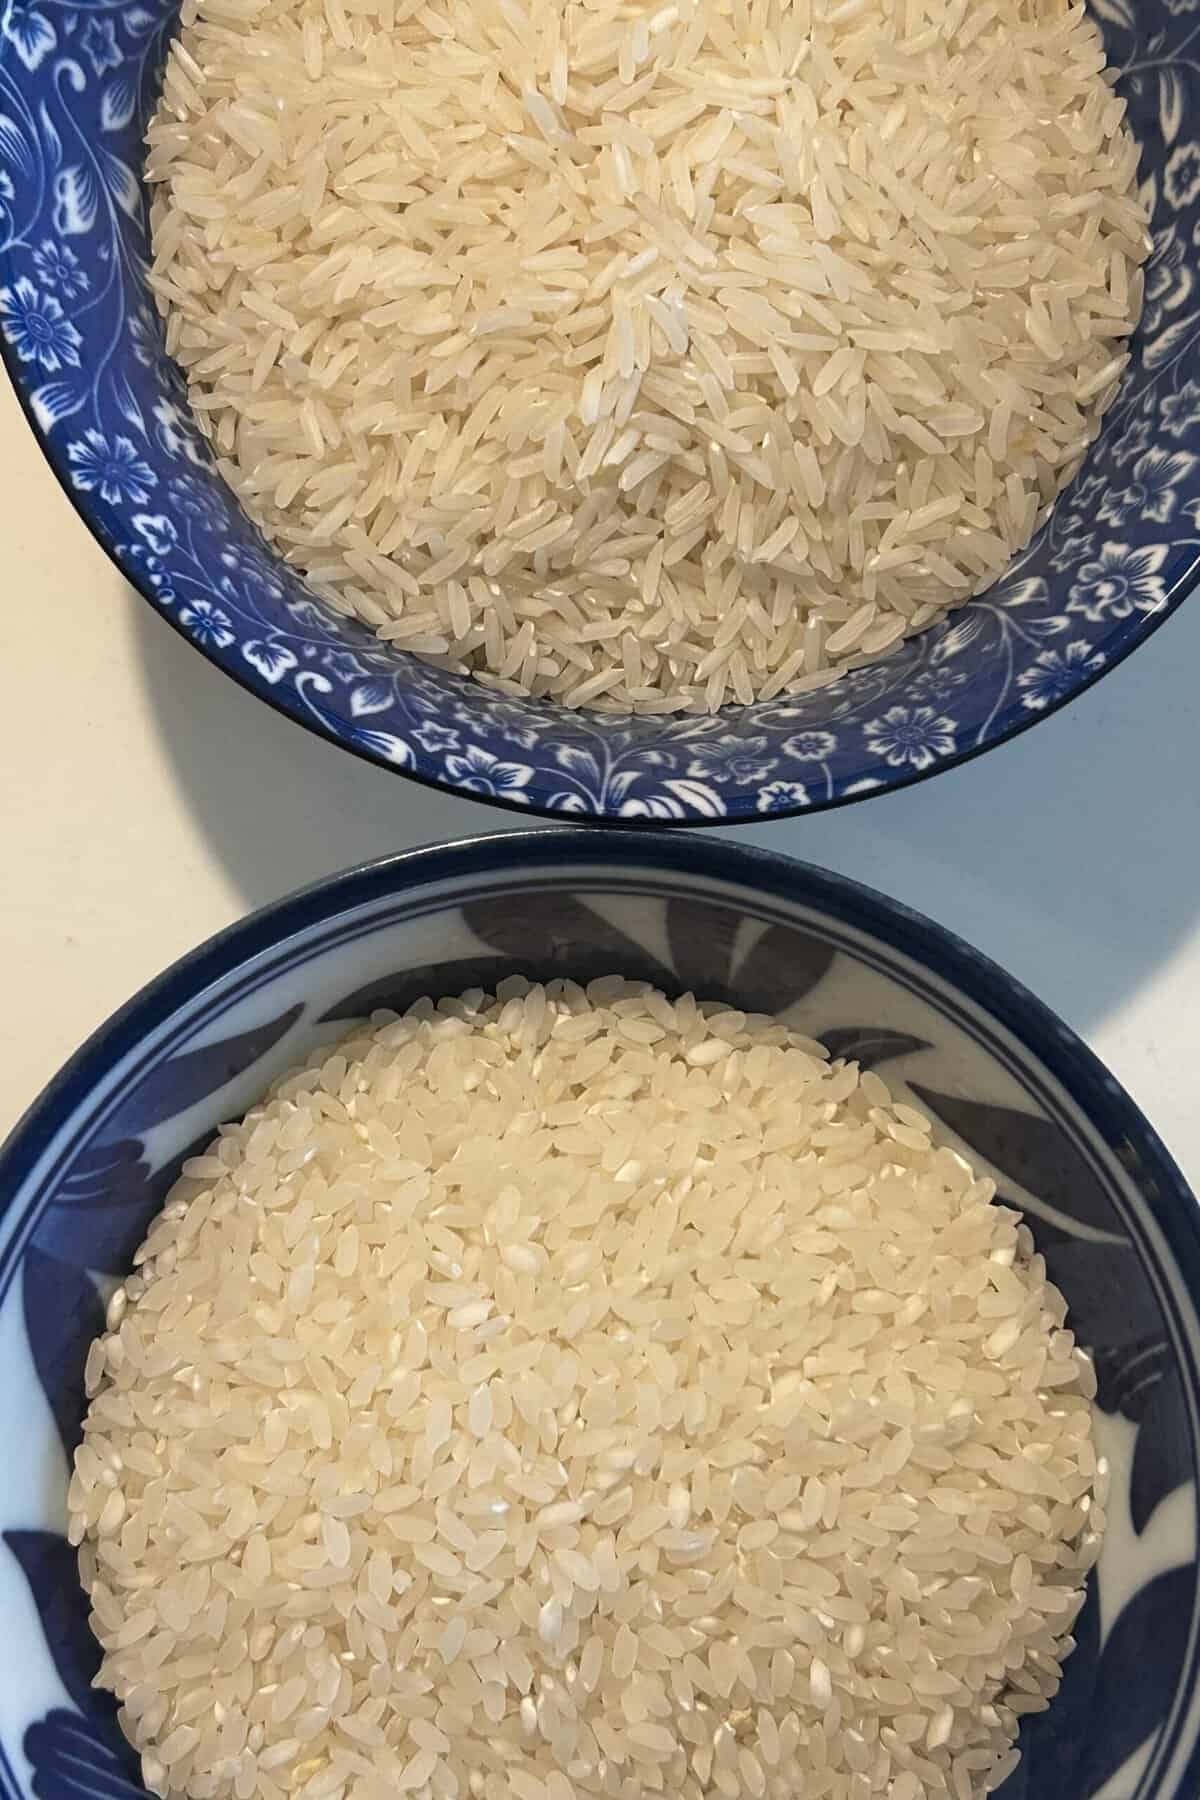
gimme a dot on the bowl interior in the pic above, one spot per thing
(84, 1174)
(84, 346)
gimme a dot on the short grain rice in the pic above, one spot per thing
(583, 1394)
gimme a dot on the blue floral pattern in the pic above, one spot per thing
(477, 771)
(1120, 580)
(1008, 1086)
(911, 734)
(207, 623)
(100, 42)
(31, 35)
(1055, 672)
(1180, 414)
(1153, 490)
(114, 468)
(84, 345)
(59, 270)
(36, 326)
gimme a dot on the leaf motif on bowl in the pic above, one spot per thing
(176, 1084)
(1113, 1313)
(398, 991)
(1055, 1743)
(1149, 1635)
(71, 1760)
(99, 1213)
(552, 934)
(1032, 1151)
(702, 939)
(869, 1045)
(51, 1568)
(63, 1313)
(103, 1205)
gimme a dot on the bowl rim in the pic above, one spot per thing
(940, 762)
(1111, 1112)
(1109, 1108)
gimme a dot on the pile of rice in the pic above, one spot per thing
(646, 357)
(580, 1393)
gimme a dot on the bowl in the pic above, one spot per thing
(84, 348)
(1007, 1082)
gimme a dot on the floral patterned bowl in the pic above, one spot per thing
(84, 347)
(85, 1171)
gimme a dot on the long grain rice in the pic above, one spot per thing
(654, 278)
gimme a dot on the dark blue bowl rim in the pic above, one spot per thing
(1109, 1108)
(605, 821)
(1106, 1105)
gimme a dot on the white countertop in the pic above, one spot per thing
(146, 801)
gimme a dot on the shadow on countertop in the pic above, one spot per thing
(1071, 855)
(279, 806)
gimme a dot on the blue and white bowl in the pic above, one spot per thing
(85, 1171)
(83, 344)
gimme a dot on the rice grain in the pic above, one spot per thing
(496, 311)
(685, 1420)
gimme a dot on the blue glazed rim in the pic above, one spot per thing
(1071, 605)
(1110, 1113)
(940, 763)
(1110, 1109)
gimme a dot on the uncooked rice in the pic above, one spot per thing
(646, 357)
(582, 1393)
